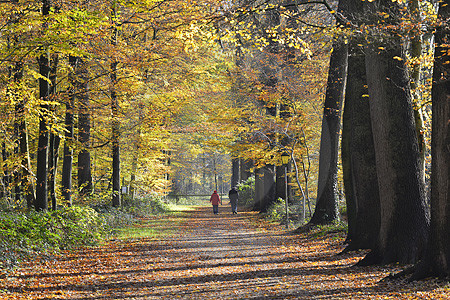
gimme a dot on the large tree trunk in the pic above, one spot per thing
(436, 261)
(358, 158)
(327, 191)
(42, 151)
(404, 218)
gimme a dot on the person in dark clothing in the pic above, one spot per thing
(234, 197)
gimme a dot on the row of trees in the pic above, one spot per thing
(378, 69)
(99, 93)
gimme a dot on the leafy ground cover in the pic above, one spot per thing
(206, 256)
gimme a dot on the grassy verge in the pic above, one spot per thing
(156, 227)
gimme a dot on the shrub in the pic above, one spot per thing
(277, 210)
(338, 227)
(246, 191)
(131, 209)
(23, 234)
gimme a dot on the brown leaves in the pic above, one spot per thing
(215, 256)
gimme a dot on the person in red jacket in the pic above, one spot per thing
(215, 200)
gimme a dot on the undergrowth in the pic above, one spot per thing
(28, 233)
(338, 227)
(25, 234)
(246, 192)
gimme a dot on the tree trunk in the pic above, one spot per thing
(280, 182)
(246, 165)
(115, 123)
(54, 139)
(436, 261)
(137, 147)
(115, 140)
(404, 218)
(327, 191)
(259, 189)
(268, 188)
(15, 76)
(27, 177)
(42, 151)
(6, 176)
(235, 172)
(24, 178)
(52, 168)
(66, 181)
(84, 133)
(358, 158)
(416, 52)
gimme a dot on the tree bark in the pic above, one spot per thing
(358, 158)
(116, 201)
(66, 176)
(54, 140)
(416, 52)
(24, 178)
(235, 172)
(259, 189)
(115, 141)
(327, 191)
(84, 135)
(269, 187)
(137, 147)
(27, 177)
(280, 182)
(42, 152)
(436, 261)
(245, 166)
(403, 213)
(6, 176)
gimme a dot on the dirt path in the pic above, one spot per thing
(216, 257)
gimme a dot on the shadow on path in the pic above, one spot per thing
(215, 257)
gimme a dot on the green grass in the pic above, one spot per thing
(337, 229)
(156, 227)
(181, 207)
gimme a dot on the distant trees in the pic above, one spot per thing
(278, 88)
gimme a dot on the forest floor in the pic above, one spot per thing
(210, 256)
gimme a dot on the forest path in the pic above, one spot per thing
(221, 256)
